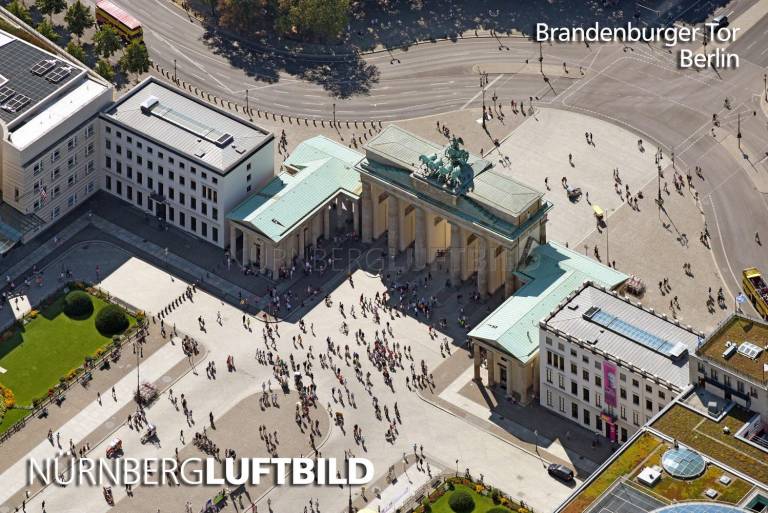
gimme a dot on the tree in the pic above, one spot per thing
(78, 304)
(321, 19)
(76, 51)
(18, 9)
(461, 502)
(46, 30)
(78, 19)
(241, 15)
(105, 69)
(106, 41)
(135, 58)
(212, 5)
(111, 320)
(50, 7)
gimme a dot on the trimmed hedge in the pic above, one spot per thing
(499, 509)
(78, 304)
(461, 502)
(111, 320)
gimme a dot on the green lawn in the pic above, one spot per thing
(46, 349)
(482, 504)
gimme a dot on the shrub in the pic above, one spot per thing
(78, 304)
(461, 502)
(495, 495)
(111, 320)
(498, 509)
(427, 505)
(8, 399)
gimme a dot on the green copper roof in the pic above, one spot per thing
(553, 274)
(324, 168)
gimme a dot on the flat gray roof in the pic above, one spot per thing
(193, 128)
(620, 338)
(21, 89)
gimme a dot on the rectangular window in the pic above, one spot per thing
(38, 168)
(129, 172)
(598, 381)
(623, 393)
(204, 228)
(139, 178)
(129, 192)
(598, 400)
(585, 375)
(192, 203)
(574, 388)
(215, 213)
(204, 208)
(214, 234)
(139, 198)
(171, 214)
(585, 394)
(648, 404)
(119, 187)
(561, 381)
(587, 417)
(574, 369)
(193, 223)
(635, 399)
(182, 219)
(662, 395)
(89, 149)
(561, 404)
(55, 156)
(89, 131)
(575, 410)
(549, 398)
(109, 183)
(635, 418)
(549, 375)
(635, 383)
(108, 162)
(648, 388)
(623, 413)
(181, 198)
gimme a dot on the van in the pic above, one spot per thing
(721, 21)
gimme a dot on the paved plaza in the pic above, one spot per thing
(446, 437)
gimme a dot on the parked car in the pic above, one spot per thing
(560, 472)
(721, 21)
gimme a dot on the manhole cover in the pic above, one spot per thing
(166, 379)
(109, 424)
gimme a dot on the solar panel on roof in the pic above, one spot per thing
(58, 74)
(16, 103)
(633, 333)
(42, 67)
(6, 93)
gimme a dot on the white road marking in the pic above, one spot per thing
(480, 92)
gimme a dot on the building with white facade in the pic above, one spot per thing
(732, 363)
(610, 365)
(49, 154)
(182, 160)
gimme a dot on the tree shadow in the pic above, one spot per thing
(342, 71)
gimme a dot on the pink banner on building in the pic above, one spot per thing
(610, 387)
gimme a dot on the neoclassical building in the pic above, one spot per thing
(315, 196)
(434, 200)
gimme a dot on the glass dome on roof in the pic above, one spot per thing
(683, 463)
(699, 507)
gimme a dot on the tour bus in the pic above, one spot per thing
(756, 290)
(126, 25)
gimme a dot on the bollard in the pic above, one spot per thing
(314, 122)
(322, 123)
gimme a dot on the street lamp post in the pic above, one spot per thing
(541, 58)
(334, 114)
(174, 72)
(483, 83)
(765, 85)
(738, 129)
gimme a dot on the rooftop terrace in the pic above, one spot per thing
(739, 329)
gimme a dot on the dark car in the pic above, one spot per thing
(560, 471)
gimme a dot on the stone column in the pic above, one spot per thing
(482, 266)
(367, 206)
(491, 359)
(393, 224)
(477, 360)
(340, 215)
(420, 239)
(246, 248)
(355, 206)
(543, 231)
(302, 243)
(327, 222)
(232, 240)
(509, 269)
(457, 247)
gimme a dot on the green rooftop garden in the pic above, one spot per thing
(707, 436)
(672, 489)
(628, 460)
